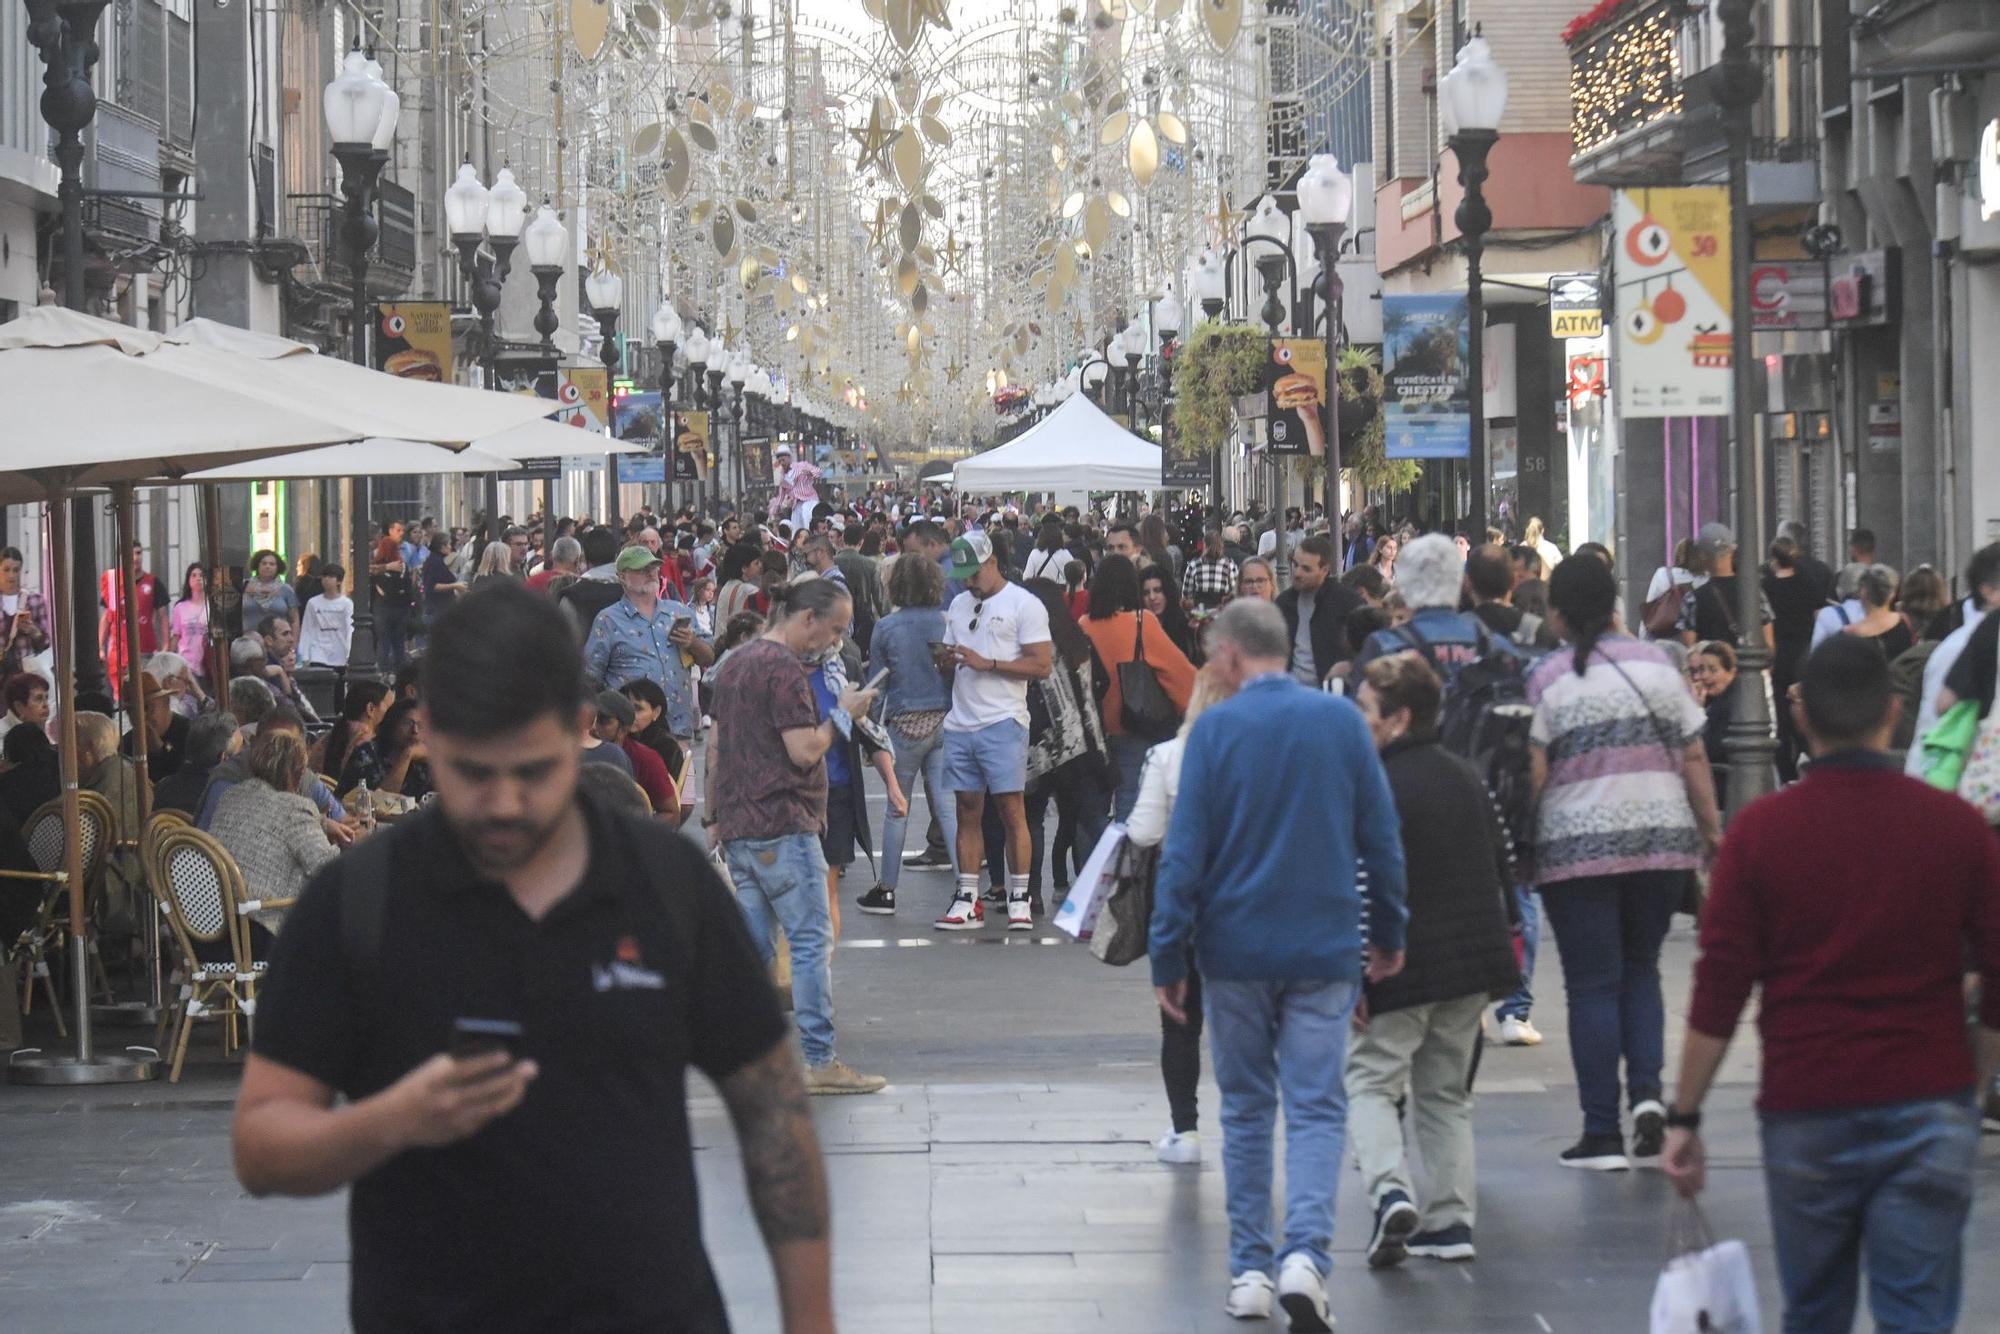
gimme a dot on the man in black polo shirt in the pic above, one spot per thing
(551, 1186)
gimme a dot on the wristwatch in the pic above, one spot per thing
(1679, 1120)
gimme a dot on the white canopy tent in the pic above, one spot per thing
(1074, 448)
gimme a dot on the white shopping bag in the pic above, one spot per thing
(1092, 885)
(1708, 1288)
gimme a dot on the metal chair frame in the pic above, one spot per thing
(44, 836)
(204, 898)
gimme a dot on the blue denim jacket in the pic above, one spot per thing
(902, 643)
(625, 646)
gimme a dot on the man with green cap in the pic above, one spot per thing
(645, 635)
(996, 641)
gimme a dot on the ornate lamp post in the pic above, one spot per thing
(667, 334)
(1168, 316)
(547, 241)
(700, 398)
(1326, 200)
(1093, 373)
(605, 291)
(361, 112)
(1132, 346)
(760, 387)
(1474, 98)
(485, 226)
(1749, 742)
(738, 375)
(1270, 228)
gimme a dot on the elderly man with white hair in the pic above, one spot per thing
(1430, 574)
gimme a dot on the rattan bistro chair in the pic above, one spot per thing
(45, 839)
(206, 905)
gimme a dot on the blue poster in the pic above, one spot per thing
(1426, 396)
(642, 468)
(637, 416)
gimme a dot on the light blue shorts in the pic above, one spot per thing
(992, 759)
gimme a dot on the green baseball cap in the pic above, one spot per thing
(637, 558)
(970, 552)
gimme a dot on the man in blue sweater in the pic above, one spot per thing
(1281, 792)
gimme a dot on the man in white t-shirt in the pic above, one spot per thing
(996, 641)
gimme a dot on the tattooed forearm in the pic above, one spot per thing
(767, 1101)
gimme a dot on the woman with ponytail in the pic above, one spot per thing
(1626, 815)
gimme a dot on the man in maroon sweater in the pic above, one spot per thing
(1857, 899)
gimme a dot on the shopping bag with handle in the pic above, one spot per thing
(1708, 1286)
(1126, 919)
(1078, 914)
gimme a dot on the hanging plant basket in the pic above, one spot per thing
(1219, 364)
(1364, 447)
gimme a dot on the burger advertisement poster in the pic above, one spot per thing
(413, 340)
(1426, 392)
(1671, 260)
(1295, 377)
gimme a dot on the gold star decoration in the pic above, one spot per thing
(954, 370)
(875, 137)
(952, 254)
(729, 332)
(905, 394)
(1224, 219)
(885, 218)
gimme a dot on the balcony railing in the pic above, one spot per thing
(316, 221)
(1625, 74)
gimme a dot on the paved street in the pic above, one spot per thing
(1004, 1181)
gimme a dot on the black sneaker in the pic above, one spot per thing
(994, 895)
(1395, 1219)
(880, 900)
(927, 859)
(1649, 1132)
(1035, 903)
(1447, 1243)
(1597, 1153)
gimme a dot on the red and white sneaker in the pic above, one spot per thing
(1020, 916)
(965, 914)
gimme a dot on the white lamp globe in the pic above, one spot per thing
(604, 289)
(667, 324)
(760, 383)
(465, 203)
(1169, 314)
(546, 239)
(1474, 95)
(1211, 281)
(506, 207)
(392, 107)
(1269, 222)
(1326, 193)
(353, 102)
(739, 368)
(697, 346)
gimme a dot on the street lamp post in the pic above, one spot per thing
(547, 241)
(605, 291)
(1168, 315)
(739, 374)
(1093, 376)
(1211, 290)
(1269, 227)
(1326, 200)
(485, 227)
(1132, 345)
(64, 34)
(1749, 742)
(667, 334)
(1474, 98)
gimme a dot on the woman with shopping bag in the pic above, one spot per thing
(1180, 1043)
(1150, 679)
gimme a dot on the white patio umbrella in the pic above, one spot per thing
(374, 403)
(364, 458)
(89, 403)
(539, 439)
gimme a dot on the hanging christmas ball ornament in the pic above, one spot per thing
(1670, 307)
(1648, 241)
(1642, 326)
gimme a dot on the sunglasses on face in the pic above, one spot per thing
(978, 609)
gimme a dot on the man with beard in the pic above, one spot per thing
(482, 1019)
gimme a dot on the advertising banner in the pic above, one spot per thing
(1426, 395)
(413, 339)
(1295, 378)
(1672, 266)
(585, 395)
(691, 449)
(636, 417)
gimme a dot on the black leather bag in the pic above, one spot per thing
(1145, 710)
(1123, 924)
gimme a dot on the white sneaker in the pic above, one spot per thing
(1518, 1033)
(1179, 1148)
(1302, 1292)
(1249, 1296)
(1019, 916)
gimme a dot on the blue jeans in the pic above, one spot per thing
(1272, 1040)
(1517, 1005)
(1889, 1186)
(1609, 929)
(912, 758)
(784, 878)
(1128, 753)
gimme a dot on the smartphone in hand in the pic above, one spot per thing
(472, 1038)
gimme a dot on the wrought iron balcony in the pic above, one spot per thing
(315, 221)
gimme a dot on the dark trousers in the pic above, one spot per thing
(1180, 1056)
(1083, 805)
(391, 637)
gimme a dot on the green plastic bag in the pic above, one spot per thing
(1948, 745)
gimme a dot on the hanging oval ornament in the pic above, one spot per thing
(675, 167)
(1114, 127)
(1097, 224)
(749, 271)
(906, 90)
(1143, 154)
(910, 227)
(936, 131)
(589, 25)
(1119, 204)
(1172, 127)
(675, 10)
(647, 141)
(1065, 268)
(920, 299)
(933, 207)
(873, 9)
(1073, 205)
(746, 211)
(724, 233)
(906, 275)
(800, 285)
(646, 17)
(1224, 20)
(900, 16)
(908, 155)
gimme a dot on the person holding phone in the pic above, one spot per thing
(645, 636)
(533, 1171)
